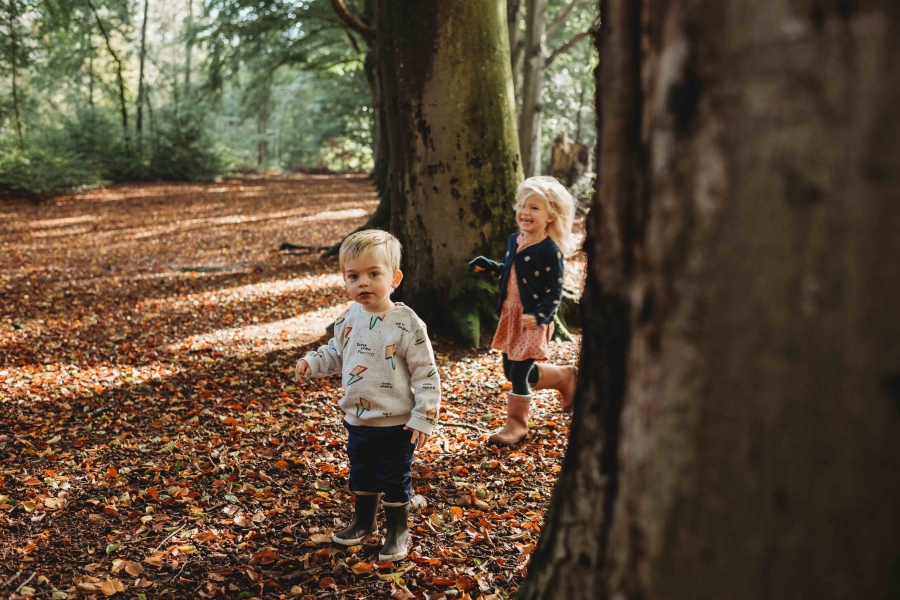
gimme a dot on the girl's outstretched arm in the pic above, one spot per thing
(482, 263)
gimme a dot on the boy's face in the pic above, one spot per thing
(370, 282)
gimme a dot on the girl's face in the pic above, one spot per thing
(532, 216)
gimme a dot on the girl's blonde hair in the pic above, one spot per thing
(560, 204)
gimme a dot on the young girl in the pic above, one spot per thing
(531, 282)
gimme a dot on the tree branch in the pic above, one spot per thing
(566, 47)
(119, 77)
(563, 14)
(351, 21)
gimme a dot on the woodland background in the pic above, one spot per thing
(100, 91)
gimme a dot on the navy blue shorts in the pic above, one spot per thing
(380, 460)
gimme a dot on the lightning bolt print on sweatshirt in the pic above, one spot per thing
(387, 368)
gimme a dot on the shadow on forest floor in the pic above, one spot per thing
(153, 440)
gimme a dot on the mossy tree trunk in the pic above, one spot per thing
(454, 153)
(737, 428)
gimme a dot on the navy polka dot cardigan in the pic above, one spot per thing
(539, 269)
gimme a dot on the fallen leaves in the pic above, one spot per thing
(153, 438)
(88, 584)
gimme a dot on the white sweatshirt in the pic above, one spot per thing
(387, 367)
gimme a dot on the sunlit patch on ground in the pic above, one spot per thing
(69, 380)
(228, 296)
(265, 337)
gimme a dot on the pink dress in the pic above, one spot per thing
(512, 338)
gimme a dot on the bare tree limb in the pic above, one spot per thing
(566, 47)
(563, 15)
(352, 40)
(119, 78)
(351, 21)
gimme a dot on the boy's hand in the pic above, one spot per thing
(302, 369)
(477, 269)
(418, 438)
(529, 321)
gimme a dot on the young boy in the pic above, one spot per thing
(391, 387)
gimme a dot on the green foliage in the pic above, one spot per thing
(181, 148)
(42, 168)
(289, 74)
(89, 149)
(569, 82)
(285, 76)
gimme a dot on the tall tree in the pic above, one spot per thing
(532, 54)
(189, 46)
(533, 86)
(736, 430)
(14, 57)
(120, 80)
(139, 119)
(453, 149)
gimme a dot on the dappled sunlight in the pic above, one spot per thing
(232, 296)
(124, 236)
(62, 232)
(331, 215)
(264, 337)
(70, 380)
(51, 223)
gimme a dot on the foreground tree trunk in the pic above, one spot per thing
(454, 155)
(737, 430)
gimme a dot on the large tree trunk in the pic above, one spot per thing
(737, 429)
(454, 153)
(533, 86)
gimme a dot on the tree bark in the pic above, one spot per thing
(737, 427)
(14, 48)
(533, 86)
(139, 118)
(513, 15)
(447, 88)
(262, 145)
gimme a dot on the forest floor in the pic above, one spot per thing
(154, 443)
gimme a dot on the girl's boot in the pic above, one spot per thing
(561, 379)
(363, 521)
(396, 521)
(516, 427)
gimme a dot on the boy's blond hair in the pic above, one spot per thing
(560, 204)
(385, 247)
